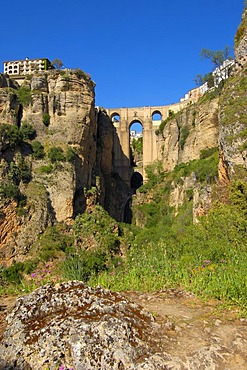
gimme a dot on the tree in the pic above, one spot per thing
(217, 57)
(200, 80)
(57, 63)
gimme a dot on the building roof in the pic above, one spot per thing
(25, 60)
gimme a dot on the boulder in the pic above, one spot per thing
(75, 326)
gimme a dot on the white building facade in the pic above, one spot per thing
(27, 66)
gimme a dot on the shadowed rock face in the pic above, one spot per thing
(79, 327)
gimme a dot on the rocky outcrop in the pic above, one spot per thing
(59, 105)
(73, 325)
(113, 192)
(18, 230)
(232, 111)
(193, 129)
(240, 45)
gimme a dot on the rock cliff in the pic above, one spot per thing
(193, 129)
(232, 111)
(75, 153)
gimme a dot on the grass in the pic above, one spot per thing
(208, 258)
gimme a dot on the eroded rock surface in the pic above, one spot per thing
(73, 325)
(79, 327)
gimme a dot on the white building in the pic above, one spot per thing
(27, 66)
(222, 72)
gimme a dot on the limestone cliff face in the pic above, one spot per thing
(9, 106)
(240, 45)
(114, 193)
(193, 129)
(59, 105)
(190, 131)
(233, 111)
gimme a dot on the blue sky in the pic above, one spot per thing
(138, 52)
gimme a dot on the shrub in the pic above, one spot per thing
(137, 145)
(205, 169)
(10, 136)
(25, 172)
(24, 95)
(46, 169)
(55, 239)
(38, 150)
(56, 154)
(205, 153)
(9, 191)
(84, 265)
(184, 133)
(160, 130)
(46, 119)
(99, 229)
(27, 131)
(81, 74)
(155, 172)
(13, 274)
(70, 154)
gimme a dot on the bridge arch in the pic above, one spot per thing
(136, 120)
(136, 181)
(148, 117)
(115, 117)
(156, 115)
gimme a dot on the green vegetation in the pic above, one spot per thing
(205, 168)
(212, 94)
(27, 131)
(13, 274)
(70, 154)
(46, 119)
(137, 145)
(56, 154)
(10, 136)
(54, 240)
(184, 133)
(160, 130)
(81, 74)
(208, 258)
(241, 30)
(46, 169)
(9, 191)
(38, 150)
(208, 77)
(24, 95)
(216, 57)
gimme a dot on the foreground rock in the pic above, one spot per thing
(81, 328)
(73, 325)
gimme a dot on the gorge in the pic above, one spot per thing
(65, 193)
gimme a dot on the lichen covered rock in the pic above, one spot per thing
(82, 328)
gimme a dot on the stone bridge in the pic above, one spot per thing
(123, 119)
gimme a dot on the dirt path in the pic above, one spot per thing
(202, 335)
(199, 335)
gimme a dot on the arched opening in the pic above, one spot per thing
(115, 118)
(136, 144)
(156, 116)
(136, 181)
